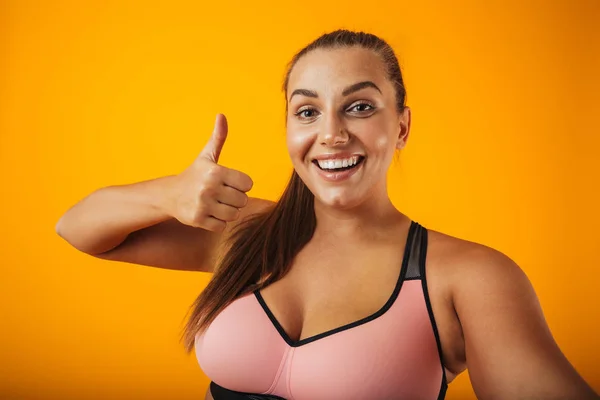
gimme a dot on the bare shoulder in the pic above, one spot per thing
(457, 259)
(479, 274)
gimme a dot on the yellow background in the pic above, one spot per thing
(503, 151)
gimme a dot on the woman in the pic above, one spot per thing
(331, 292)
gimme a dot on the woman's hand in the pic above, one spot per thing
(208, 195)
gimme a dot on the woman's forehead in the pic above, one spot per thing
(336, 68)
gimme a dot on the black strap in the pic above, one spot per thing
(412, 269)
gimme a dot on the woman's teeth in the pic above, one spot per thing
(338, 164)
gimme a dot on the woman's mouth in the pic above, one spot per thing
(338, 170)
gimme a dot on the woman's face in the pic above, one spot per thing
(342, 108)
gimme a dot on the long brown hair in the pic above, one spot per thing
(261, 248)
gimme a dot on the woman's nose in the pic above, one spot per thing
(332, 131)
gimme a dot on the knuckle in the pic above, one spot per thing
(206, 192)
(199, 214)
(213, 172)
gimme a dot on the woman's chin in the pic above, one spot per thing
(339, 199)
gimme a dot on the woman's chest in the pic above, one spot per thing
(317, 296)
(391, 353)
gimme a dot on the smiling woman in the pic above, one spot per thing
(332, 292)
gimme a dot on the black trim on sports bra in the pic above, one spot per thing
(413, 270)
(297, 343)
(422, 238)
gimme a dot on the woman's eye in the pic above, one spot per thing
(306, 113)
(361, 107)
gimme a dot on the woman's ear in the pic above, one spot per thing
(403, 128)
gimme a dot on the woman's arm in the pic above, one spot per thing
(103, 219)
(510, 351)
(133, 223)
(174, 222)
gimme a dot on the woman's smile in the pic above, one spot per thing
(337, 170)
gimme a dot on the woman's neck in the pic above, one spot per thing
(369, 220)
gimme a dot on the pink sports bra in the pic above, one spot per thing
(392, 354)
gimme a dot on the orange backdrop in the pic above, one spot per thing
(503, 151)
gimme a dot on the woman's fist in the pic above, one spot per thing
(208, 195)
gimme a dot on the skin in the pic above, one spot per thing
(487, 313)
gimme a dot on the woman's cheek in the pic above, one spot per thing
(298, 144)
(381, 144)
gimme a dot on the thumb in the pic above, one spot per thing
(212, 150)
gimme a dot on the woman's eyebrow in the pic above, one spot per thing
(360, 85)
(304, 92)
(347, 91)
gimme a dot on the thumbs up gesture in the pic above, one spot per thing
(208, 195)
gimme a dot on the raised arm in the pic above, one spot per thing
(174, 222)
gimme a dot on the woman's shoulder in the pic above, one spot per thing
(471, 267)
(454, 255)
